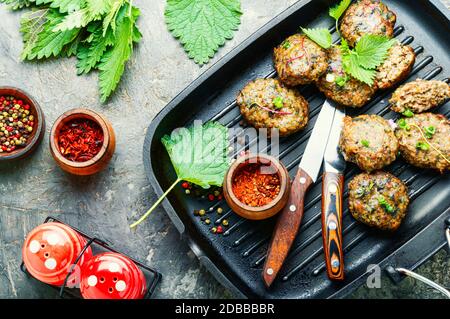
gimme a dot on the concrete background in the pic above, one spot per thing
(105, 204)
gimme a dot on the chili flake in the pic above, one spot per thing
(254, 188)
(80, 140)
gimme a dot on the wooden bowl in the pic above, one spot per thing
(99, 161)
(262, 212)
(39, 124)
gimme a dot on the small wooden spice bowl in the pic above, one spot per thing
(262, 212)
(38, 129)
(99, 161)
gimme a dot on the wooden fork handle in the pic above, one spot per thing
(287, 227)
(332, 188)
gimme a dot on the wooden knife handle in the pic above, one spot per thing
(287, 227)
(332, 189)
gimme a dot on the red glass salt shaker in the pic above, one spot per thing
(112, 276)
(50, 250)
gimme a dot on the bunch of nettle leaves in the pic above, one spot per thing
(100, 33)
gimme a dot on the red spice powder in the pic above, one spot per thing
(80, 140)
(253, 187)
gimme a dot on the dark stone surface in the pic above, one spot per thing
(105, 204)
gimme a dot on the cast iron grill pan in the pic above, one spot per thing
(236, 258)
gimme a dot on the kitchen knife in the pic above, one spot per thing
(290, 218)
(332, 189)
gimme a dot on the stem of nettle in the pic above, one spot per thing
(155, 204)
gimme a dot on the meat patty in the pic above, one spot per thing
(419, 96)
(396, 67)
(268, 103)
(416, 146)
(378, 200)
(352, 93)
(367, 17)
(298, 60)
(368, 141)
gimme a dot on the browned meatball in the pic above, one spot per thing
(396, 67)
(353, 93)
(298, 60)
(416, 147)
(419, 96)
(378, 200)
(367, 17)
(368, 141)
(268, 103)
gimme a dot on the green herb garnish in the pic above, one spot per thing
(199, 155)
(424, 146)
(100, 33)
(286, 44)
(365, 143)
(429, 131)
(278, 102)
(202, 26)
(319, 35)
(362, 61)
(403, 124)
(408, 113)
(337, 11)
(341, 80)
(387, 207)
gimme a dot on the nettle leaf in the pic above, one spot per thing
(91, 53)
(337, 11)
(372, 50)
(48, 43)
(199, 154)
(112, 64)
(75, 19)
(321, 36)
(17, 4)
(71, 48)
(109, 20)
(62, 5)
(31, 25)
(353, 68)
(98, 7)
(202, 26)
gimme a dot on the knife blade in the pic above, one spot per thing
(290, 218)
(332, 190)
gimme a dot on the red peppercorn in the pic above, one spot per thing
(20, 102)
(219, 229)
(211, 197)
(220, 197)
(185, 185)
(26, 107)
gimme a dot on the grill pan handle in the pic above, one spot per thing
(425, 280)
(447, 231)
(392, 271)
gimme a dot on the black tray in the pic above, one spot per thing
(237, 257)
